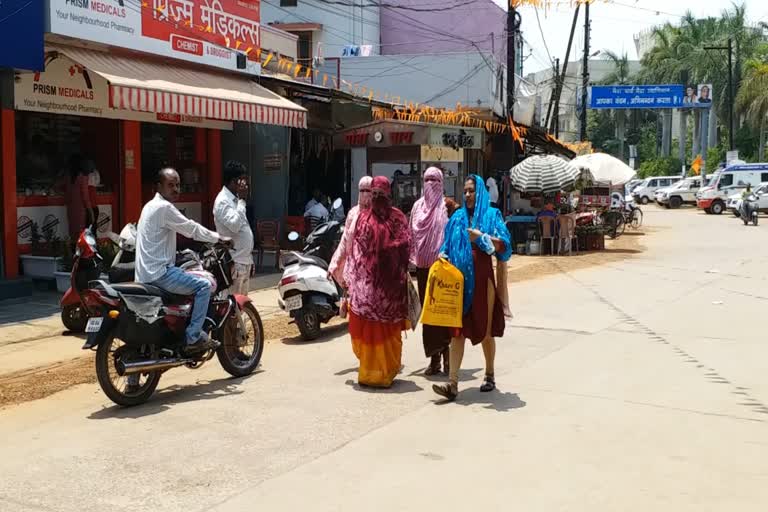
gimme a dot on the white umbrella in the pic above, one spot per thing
(544, 174)
(605, 169)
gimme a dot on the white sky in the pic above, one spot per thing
(613, 25)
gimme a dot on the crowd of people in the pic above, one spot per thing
(372, 264)
(378, 245)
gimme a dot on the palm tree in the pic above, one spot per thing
(619, 75)
(682, 47)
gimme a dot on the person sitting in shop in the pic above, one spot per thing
(548, 210)
(317, 198)
(316, 212)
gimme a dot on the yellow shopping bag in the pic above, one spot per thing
(444, 301)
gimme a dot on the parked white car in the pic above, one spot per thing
(644, 192)
(683, 192)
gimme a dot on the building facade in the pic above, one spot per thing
(132, 89)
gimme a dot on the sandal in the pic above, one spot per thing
(432, 370)
(447, 391)
(488, 385)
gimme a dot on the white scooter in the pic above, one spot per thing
(306, 292)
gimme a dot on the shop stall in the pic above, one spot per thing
(402, 151)
(92, 105)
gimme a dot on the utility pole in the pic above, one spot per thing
(731, 93)
(585, 75)
(553, 106)
(561, 81)
(513, 25)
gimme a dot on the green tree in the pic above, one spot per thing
(619, 75)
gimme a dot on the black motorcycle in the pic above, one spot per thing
(141, 332)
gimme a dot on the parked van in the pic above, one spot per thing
(644, 192)
(714, 197)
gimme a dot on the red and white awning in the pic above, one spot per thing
(153, 86)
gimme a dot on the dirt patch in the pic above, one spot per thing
(526, 268)
(36, 383)
(40, 382)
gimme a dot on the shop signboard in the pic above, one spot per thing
(21, 35)
(441, 154)
(636, 96)
(211, 32)
(66, 87)
(456, 138)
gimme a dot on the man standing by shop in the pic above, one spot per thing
(159, 223)
(230, 219)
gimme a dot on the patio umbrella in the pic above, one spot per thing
(545, 174)
(605, 169)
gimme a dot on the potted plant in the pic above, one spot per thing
(64, 272)
(43, 260)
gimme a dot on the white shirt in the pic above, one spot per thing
(493, 190)
(156, 238)
(229, 217)
(318, 211)
(310, 204)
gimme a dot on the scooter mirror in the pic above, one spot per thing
(337, 203)
(293, 236)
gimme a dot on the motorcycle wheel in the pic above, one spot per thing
(233, 356)
(74, 318)
(309, 324)
(113, 385)
(754, 219)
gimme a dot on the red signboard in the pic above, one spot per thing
(221, 22)
(211, 32)
(401, 138)
(356, 139)
(187, 45)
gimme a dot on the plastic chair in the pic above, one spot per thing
(566, 227)
(268, 240)
(547, 232)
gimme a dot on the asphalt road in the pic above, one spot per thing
(634, 386)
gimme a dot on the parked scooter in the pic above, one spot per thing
(749, 209)
(306, 292)
(78, 304)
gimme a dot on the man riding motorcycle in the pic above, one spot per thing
(159, 223)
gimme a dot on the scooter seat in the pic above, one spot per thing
(316, 261)
(146, 289)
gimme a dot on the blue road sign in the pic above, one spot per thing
(21, 34)
(636, 96)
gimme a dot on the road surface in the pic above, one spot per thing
(638, 385)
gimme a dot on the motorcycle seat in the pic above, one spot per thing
(146, 289)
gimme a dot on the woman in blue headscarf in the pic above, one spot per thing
(474, 234)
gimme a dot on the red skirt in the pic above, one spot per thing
(486, 316)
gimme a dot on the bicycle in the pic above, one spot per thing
(633, 217)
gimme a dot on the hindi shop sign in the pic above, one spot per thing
(201, 31)
(636, 96)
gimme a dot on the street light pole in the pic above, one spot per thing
(731, 94)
